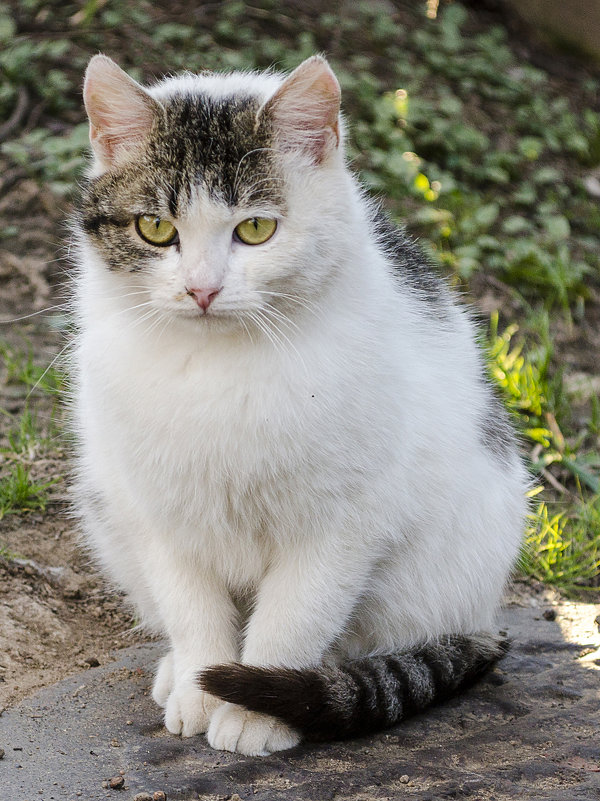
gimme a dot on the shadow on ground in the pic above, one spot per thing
(529, 730)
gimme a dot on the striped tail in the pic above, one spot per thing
(361, 696)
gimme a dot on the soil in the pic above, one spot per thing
(56, 614)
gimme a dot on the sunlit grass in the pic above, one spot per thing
(562, 538)
(563, 548)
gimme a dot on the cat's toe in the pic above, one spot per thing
(188, 711)
(234, 728)
(163, 682)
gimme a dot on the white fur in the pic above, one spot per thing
(327, 473)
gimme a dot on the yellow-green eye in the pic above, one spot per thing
(256, 230)
(156, 231)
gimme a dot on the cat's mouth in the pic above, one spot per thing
(197, 311)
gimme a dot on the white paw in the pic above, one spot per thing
(233, 728)
(163, 682)
(188, 709)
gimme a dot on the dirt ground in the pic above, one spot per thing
(56, 614)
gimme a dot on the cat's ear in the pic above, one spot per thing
(305, 110)
(120, 111)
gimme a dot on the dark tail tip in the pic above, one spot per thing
(295, 696)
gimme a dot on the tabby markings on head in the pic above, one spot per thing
(200, 143)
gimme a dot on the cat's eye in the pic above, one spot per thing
(256, 230)
(156, 231)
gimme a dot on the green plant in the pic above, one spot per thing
(24, 487)
(19, 492)
(21, 369)
(563, 548)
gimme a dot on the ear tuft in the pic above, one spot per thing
(305, 110)
(120, 111)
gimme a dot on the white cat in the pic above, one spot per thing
(289, 456)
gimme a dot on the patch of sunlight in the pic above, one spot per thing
(578, 624)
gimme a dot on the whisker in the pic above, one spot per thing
(293, 298)
(240, 318)
(48, 368)
(61, 306)
(133, 308)
(280, 317)
(275, 328)
(266, 331)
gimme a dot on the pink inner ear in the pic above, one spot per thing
(120, 111)
(305, 110)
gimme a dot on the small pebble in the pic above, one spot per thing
(92, 661)
(1, 752)
(404, 779)
(159, 796)
(116, 783)
(142, 797)
(115, 743)
(549, 614)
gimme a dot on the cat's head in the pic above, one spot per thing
(216, 196)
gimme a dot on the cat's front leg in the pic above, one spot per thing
(303, 605)
(199, 619)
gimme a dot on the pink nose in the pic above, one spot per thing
(203, 297)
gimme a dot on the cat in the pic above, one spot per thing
(289, 457)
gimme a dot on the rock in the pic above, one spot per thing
(116, 783)
(549, 614)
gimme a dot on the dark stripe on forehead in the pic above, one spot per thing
(92, 223)
(212, 145)
(215, 144)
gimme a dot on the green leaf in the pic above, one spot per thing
(558, 227)
(515, 224)
(486, 215)
(547, 175)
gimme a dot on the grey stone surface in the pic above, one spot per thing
(528, 731)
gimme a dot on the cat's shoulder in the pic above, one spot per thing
(409, 263)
